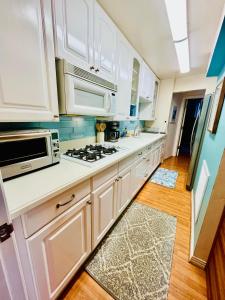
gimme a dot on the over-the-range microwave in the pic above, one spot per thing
(25, 151)
(83, 93)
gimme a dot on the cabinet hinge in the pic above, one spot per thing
(5, 231)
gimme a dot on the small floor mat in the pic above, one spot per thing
(165, 177)
(133, 262)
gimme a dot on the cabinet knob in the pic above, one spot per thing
(92, 68)
(120, 177)
(97, 70)
(89, 202)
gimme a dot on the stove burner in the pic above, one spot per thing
(91, 153)
(109, 151)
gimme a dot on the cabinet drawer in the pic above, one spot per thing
(125, 163)
(105, 175)
(44, 213)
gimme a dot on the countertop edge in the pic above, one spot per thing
(93, 171)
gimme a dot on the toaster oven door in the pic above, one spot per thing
(22, 153)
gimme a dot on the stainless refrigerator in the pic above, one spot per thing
(198, 134)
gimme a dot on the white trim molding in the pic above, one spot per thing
(192, 258)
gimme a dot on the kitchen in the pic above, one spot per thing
(77, 72)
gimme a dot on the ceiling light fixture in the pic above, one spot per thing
(182, 50)
(177, 15)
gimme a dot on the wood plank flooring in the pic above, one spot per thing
(187, 281)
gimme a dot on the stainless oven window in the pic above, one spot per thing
(12, 152)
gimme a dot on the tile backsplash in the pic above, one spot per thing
(70, 128)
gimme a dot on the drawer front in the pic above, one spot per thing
(44, 213)
(104, 176)
(125, 163)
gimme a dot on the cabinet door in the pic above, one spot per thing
(135, 88)
(155, 96)
(146, 83)
(105, 45)
(138, 176)
(124, 78)
(59, 249)
(27, 62)
(74, 31)
(104, 209)
(124, 191)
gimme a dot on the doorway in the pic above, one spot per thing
(189, 125)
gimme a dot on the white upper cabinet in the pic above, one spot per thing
(27, 66)
(105, 45)
(124, 78)
(149, 87)
(86, 37)
(147, 84)
(74, 31)
(135, 86)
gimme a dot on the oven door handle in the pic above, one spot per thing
(23, 136)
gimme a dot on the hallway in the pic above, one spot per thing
(187, 281)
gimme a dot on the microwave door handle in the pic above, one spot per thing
(109, 105)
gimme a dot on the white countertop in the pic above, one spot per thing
(28, 191)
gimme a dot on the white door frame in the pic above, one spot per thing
(183, 119)
(11, 279)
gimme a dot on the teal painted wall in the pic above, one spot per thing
(70, 128)
(212, 151)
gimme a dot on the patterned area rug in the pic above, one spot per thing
(134, 261)
(165, 177)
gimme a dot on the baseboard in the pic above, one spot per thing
(192, 239)
(192, 258)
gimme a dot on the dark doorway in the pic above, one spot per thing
(190, 123)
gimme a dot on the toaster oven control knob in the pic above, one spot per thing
(56, 145)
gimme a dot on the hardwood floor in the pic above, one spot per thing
(187, 281)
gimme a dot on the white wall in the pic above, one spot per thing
(195, 82)
(163, 107)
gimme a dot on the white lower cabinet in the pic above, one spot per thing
(104, 201)
(124, 190)
(59, 241)
(59, 249)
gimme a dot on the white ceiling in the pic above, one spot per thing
(145, 24)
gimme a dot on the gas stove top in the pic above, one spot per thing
(90, 154)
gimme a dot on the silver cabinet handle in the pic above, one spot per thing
(58, 205)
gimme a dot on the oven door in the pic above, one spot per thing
(86, 98)
(24, 152)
